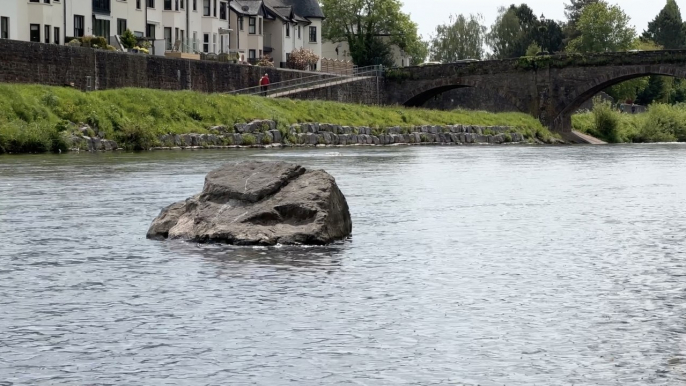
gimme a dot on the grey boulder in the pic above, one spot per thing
(259, 203)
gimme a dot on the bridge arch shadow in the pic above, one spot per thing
(423, 96)
(567, 109)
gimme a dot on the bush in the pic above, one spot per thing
(265, 61)
(248, 139)
(302, 59)
(74, 43)
(128, 39)
(663, 123)
(606, 121)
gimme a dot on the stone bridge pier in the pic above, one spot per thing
(550, 88)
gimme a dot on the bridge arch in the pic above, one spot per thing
(573, 102)
(424, 93)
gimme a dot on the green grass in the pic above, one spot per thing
(35, 118)
(662, 123)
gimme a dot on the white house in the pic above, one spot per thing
(341, 51)
(251, 28)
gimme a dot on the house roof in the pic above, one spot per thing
(247, 7)
(298, 10)
(306, 8)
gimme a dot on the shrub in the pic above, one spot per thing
(302, 59)
(74, 43)
(265, 61)
(248, 139)
(266, 139)
(663, 123)
(606, 121)
(128, 39)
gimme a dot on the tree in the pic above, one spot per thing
(667, 29)
(302, 59)
(517, 28)
(602, 28)
(363, 23)
(128, 39)
(505, 37)
(461, 38)
(573, 12)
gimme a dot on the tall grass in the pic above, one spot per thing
(661, 123)
(32, 116)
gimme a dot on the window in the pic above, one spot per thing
(150, 3)
(46, 34)
(206, 43)
(251, 25)
(260, 20)
(215, 9)
(240, 23)
(101, 28)
(121, 26)
(46, 1)
(35, 33)
(34, 1)
(167, 5)
(288, 30)
(176, 5)
(298, 32)
(150, 31)
(138, 4)
(167, 38)
(57, 35)
(222, 10)
(101, 6)
(182, 6)
(195, 41)
(313, 34)
(206, 8)
(214, 43)
(260, 54)
(78, 26)
(195, 5)
(4, 27)
(251, 54)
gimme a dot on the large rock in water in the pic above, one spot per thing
(259, 203)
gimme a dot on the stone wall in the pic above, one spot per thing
(366, 90)
(470, 98)
(49, 64)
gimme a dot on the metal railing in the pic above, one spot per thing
(317, 80)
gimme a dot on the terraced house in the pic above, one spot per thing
(250, 28)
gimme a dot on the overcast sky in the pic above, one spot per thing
(429, 13)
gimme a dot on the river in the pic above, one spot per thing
(510, 265)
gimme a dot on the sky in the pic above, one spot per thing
(430, 13)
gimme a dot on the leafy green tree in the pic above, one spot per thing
(128, 39)
(516, 28)
(573, 13)
(602, 28)
(461, 38)
(667, 29)
(361, 23)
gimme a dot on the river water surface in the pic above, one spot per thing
(506, 265)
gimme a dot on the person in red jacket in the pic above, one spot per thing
(264, 84)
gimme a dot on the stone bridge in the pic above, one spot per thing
(550, 88)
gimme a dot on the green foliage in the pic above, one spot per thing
(128, 39)
(361, 23)
(533, 49)
(517, 28)
(662, 123)
(667, 29)
(461, 38)
(606, 121)
(602, 27)
(135, 118)
(248, 139)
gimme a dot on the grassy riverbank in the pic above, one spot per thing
(35, 118)
(662, 123)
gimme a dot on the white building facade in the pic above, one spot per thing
(250, 28)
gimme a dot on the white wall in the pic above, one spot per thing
(275, 29)
(83, 8)
(43, 14)
(135, 18)
(316, 47)
(12, 10)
